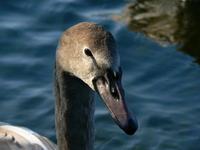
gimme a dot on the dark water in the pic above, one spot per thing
(162, 84)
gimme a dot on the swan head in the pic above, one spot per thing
(89, 52)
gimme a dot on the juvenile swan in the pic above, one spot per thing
(86, 61)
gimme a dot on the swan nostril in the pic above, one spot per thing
(114, 93)
(112, 90)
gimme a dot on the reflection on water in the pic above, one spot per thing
(176, 21)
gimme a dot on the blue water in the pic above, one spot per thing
(162, 85)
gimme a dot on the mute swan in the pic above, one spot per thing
(86, 61)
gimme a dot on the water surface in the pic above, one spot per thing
(162, 84)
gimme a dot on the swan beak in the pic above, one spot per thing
(111, 92)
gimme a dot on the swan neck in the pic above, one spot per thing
(74, 112)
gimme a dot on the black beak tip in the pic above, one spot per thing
(131, 127)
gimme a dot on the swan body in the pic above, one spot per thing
(86, 62)
(20, 138)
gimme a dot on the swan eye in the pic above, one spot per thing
(88, 52)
